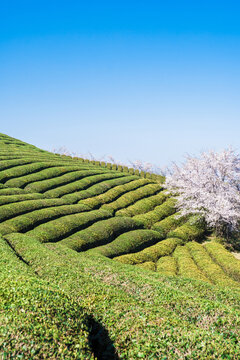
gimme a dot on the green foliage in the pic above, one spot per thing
(129, 242)
(98, 189)
(157, 214)
(189, 231)
(99, 233)
(166, 265)
(81, 184)
(132, 196)
(148, 265)
(224, 258)
(62, 227)
(114, 193)
(142, 206)
(186, 265)
(28, 221)
(151, 253)
(8, 199)
(52, 183)
(211, 269)
(11, 210)
(169, 223)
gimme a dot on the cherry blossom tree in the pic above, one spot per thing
(209, 186)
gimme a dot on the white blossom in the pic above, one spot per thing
(210, 187)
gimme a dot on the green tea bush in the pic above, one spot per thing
(45, 174)
(148, 265)
(132, 196)
(99, 233)
(212, 270)
(98, 189)
(28, 221)
(151, 253)
(129, 242)
(189, 231)
(7, 199)
(52, 183)
(142, 206)
(81, 184)
(11, 210)
(169, 223)
(166, 265)
(157, 214)
(65, 226)
(114, 193)
(224, 258)
(186, 266)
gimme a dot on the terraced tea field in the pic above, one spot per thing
(95, 264)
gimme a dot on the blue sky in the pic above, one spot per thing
(149, 80)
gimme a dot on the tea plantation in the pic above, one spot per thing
(95, 264)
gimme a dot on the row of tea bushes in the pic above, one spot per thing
(26, 169)
(12, 210)
(7, 199)
(81, 184)
(169, 223)
(72, 175)
(98, 189)
(224, 258)
(151, 253)
(129, 242)
(187, 268)
(45, 174)
(189, 231)
(158, 213)
(132, 196)
(205, 263)
(167, 265)
(144, 205)
(65, 226)
(99, 233)
(112, 194)
(28, 221)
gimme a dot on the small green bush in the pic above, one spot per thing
(166, 265)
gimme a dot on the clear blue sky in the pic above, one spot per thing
(147, 80)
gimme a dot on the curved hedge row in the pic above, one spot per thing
(52, 183)
(65, 226)
(168, 224)
(166, 265)
(144, 205)
(98, 189)
(26, 169)
(99, 233)
(12, 210)
(186, 266)
(4, 191)
(129, 242)
(7, 164)
(151, 253)
(189, 231)
(7, 199)
(132, 196)
(114, 193)
(81, 184)
(45, 174)
(28, 221)
(224, 258)
(159, 213)
(213, 271)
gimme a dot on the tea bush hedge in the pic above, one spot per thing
(129, 242)
(100, 233)
(166, 265)
(65, 226)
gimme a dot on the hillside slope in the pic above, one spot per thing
(85, 234)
